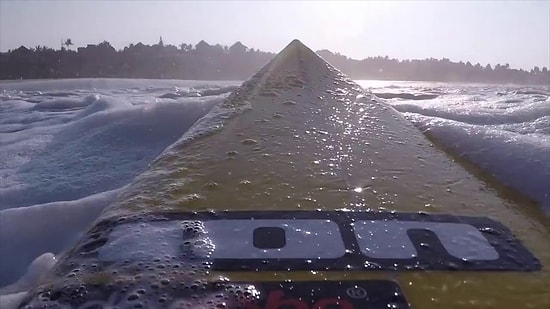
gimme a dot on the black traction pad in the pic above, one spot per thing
(346, 240)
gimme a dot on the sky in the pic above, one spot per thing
(513, 32)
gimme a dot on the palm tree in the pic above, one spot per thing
(68, 43)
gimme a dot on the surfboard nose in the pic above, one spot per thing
(294, 44)
(295, 67)
(296, 41)
(300, 57)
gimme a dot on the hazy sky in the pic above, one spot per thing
(492, 32)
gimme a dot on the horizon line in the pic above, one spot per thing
(2, 50)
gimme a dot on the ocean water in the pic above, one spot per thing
(68, 146)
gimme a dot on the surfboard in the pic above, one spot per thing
(302, 191)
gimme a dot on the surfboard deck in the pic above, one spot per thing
(299, 181)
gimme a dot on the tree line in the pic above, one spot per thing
(237, 62)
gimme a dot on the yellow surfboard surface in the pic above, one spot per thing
(331, 185)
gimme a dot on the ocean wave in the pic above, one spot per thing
(504, 130)
(531, 92)
(124, 137)
(197, 92)
(87, 84)
(22, 231)
(517, 160)
(96, 103)
(405, 96)
(481, 115)
(11, 105)
(60, 94)
(65, 104)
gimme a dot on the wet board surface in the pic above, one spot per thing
(297, 142)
